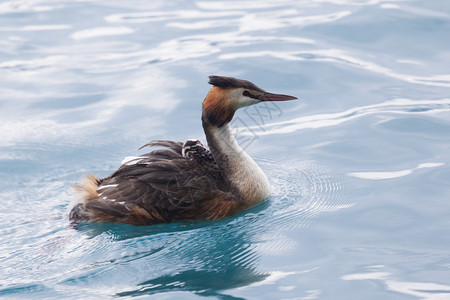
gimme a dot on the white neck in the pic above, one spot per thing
(236, 165)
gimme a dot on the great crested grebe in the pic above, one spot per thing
(184, 181)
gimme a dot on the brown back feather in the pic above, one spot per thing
(163, 186)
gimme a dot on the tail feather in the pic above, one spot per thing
(86, 191)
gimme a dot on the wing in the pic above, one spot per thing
(162, 186)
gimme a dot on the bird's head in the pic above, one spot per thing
(228, 94)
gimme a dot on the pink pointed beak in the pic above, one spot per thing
(275, 97)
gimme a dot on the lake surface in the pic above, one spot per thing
(360, 166)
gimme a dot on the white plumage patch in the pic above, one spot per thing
(131, 160)
(106, 186)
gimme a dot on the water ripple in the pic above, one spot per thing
(396, 106)
(357, 2)
(247, 5)
(265, 20)
(392, 174)
(340, 57)
(10, 7)
(158, 16)
(101, 31)
(302, 190)
(46, 27)
(423, 290)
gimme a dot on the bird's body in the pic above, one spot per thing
(184, 181)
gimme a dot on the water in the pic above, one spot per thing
(360, 166)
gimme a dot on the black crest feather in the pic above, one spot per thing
(231, 82)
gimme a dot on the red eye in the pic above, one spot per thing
(248, 94)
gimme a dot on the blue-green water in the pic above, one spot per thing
(360, 166)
